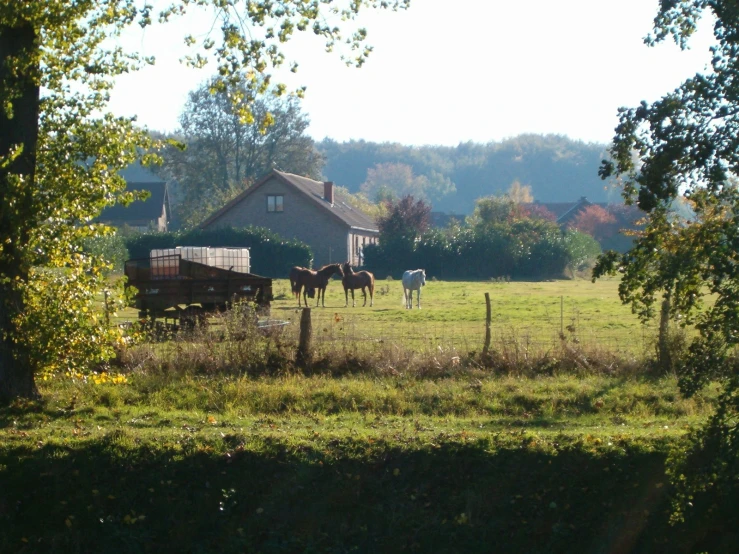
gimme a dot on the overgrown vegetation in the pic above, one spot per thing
(499, 239)
(683, 147)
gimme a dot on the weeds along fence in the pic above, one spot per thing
(591, 331)
(400, 338)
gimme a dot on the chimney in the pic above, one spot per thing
(328, 191)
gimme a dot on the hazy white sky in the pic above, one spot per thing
(448, 72)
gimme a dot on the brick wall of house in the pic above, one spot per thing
(301, 219)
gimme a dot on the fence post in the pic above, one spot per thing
(562, 316)
(486, 347)
(306, 333)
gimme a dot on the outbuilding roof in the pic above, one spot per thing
(138, 178)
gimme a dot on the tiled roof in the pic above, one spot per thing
(313, 190)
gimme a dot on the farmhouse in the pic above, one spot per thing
(301, 208)
(151, 214)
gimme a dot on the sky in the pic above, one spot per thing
(447, 72)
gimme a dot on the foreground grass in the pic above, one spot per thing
(363, 463)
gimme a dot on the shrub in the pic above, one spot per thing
(111, 248)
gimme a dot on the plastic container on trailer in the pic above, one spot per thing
(164, 263)
(233, 259)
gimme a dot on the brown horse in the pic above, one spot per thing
(307, 279)
(360, 280)
(294, 271)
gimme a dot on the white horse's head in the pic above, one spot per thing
(423, 277)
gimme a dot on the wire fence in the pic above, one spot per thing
(360, 329)
(588, 331)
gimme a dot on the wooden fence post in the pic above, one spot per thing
(306, 333)
(665, 358)
(486, 347)
(562, 317)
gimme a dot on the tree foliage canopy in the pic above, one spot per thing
(555, 167)
(687, 144)
(60, 150)
(223, 154)
(387, 181)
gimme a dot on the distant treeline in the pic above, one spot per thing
(557, 168)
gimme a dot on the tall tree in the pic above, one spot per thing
(401, 225)
(223, 153)
(386, 181)
(59, 157)
(520, 194)
(596, 221)
(687, 143)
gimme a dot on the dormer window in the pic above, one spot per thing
(274, 202)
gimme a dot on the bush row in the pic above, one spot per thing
(523, 249)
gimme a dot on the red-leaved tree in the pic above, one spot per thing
(597, 222)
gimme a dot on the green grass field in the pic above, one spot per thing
(219, 463)
(528, 314)
(404, 451)
(454, 312)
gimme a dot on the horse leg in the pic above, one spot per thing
(346, 297)
(419, 298)
(354, 304)
(405, 296)
(372, 293)
(364, 293)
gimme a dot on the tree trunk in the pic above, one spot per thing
(18, 43)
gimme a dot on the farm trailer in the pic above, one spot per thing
(186, 283)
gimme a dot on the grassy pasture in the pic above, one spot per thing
(529, 315)
(194, 454)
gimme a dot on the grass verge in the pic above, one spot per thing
(184, 463)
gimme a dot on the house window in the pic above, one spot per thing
(274, 202)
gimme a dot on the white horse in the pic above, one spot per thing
(413, 279)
